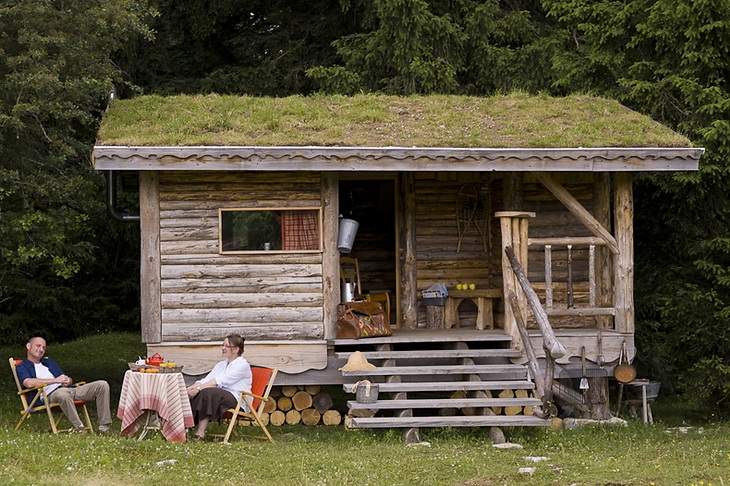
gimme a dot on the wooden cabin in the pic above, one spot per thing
(239, 227)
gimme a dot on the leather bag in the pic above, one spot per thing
(357, 320)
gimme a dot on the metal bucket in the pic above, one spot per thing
(347, 292)
(366, 392)
(346, 236)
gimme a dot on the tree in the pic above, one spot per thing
(55, 79)
(421, 46)
(255, 47)
(668, 59)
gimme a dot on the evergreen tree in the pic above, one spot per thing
(55, 78)
(668, 59)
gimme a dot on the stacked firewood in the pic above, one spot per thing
(294, 404)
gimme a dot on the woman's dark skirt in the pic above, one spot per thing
(211, 403)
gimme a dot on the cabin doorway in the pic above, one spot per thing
(371, 202)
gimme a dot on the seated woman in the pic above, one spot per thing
(219, 390)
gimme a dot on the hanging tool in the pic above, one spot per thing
(584, 380)
(601, 360)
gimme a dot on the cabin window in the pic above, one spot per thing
(274, 229)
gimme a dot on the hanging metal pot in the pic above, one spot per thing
(624, 371)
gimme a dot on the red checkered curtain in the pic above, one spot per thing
(299, 230)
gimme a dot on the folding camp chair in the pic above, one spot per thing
(263, 381)
(38, 405)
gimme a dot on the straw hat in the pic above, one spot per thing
(357, 361)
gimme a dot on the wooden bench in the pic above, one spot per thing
(481, 297)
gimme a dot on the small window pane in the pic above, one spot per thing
(247, 230)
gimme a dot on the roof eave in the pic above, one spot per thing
(396, 159)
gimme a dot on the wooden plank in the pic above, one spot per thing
(200, 358)
(470, 294)
(408, 281)
(578, 210)
(330, 257)
(436, 353)
(424, 403)
(238, 259)
(200, 331)
(445, 386)
(240, 300)
(624, 260)
(566, 240)
(260, 315)
(429, 336)
(582, 311)
(242, 271)
(604, 267)
(453, 421)
(307, 159)
(253, 284)
(150, 278)
(550, 341)
(439, 370)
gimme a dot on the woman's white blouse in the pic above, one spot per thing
(232, 377)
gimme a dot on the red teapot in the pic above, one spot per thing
(155, 360)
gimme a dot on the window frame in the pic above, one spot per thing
(320, 236)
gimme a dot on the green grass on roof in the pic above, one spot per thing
(517, 120)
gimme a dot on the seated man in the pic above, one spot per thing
(36, 370)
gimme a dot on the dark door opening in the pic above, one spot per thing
(372, 204)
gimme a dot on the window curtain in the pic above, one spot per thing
(299, 230)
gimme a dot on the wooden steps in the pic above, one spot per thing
(450, 353)
(514, 370)
(448, 386)
(448, 421)
(416, 403)
(461, 379)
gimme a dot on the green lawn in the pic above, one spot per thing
(661, 454)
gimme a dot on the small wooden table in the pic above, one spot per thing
(146, 397)
(481, 297)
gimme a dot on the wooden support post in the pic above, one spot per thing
(514, 225)
(604, 267)
(150, 271)
(407, 252)
(435, 316)
(330, 255)
(549, 276)
(624, 260)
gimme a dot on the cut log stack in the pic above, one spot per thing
(305, 404)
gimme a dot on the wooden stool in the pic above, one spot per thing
(482, 299)
(644, 402)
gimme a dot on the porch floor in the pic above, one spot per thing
(464, 334)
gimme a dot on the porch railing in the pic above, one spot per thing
(571, 244)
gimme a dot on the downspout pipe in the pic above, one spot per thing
(111, 200)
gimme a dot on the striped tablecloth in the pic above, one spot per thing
(162, 392)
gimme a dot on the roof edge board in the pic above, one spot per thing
(245, 158)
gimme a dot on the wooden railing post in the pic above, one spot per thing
(550, 341)
(514, 226)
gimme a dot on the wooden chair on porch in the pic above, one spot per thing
(41, 403)
(255, 400)
(350, 273)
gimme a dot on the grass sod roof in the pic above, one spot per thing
(516, 120)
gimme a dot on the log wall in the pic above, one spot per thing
(437, 259)
(206, 295)
(554, 220)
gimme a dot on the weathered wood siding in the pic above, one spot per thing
(437, 236)
(436, 242)
(554, 220)
(206, 295)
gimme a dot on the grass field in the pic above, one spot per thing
(664, 454)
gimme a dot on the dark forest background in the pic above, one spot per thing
(68, 269)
